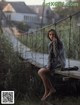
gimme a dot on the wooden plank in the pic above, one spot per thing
(71, 74)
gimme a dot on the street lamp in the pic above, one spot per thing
(41, 21)
(41, 17)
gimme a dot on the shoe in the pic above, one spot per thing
(74, 68)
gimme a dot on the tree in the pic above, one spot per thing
(69, 8)
(23, 26)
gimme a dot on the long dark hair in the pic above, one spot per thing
(60, 45)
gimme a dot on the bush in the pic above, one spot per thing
(16, 74)
(23, 27)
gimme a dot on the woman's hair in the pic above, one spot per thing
(60, 45)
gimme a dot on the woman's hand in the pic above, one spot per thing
(54, 39)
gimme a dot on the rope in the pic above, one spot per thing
(43, 44)
(69, 42)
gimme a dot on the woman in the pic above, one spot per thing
(56, 59)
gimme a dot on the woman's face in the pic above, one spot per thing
(51, 35)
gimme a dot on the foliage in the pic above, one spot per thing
(16, 74)
(36, 42)
(70, 7)
(53, 101)
(23, 27)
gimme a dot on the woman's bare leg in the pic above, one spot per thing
(46, 82)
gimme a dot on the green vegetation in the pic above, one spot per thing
(54, 101)
(16, 74)
(23, 27)
(70, 7)
(37, 41)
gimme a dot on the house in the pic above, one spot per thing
(20, 12)
(48, 16)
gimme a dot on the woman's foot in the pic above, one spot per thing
(44, 95)
(48, 94)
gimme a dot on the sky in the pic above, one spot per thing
(37, 2)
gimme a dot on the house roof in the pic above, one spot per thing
(39, 8)
(19, 7)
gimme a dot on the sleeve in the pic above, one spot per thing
(49, 55)
(55, 48)
(62, 56)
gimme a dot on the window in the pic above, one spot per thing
(25, 18)
(9, 17)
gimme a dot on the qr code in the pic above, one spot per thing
(7, 97)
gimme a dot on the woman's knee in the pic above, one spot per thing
(42, 71)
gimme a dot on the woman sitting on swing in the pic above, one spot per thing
(56, 59)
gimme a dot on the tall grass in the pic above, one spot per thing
(16, 74)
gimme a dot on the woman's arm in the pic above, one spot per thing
(55, 47)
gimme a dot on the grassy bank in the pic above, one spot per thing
(53, 101)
